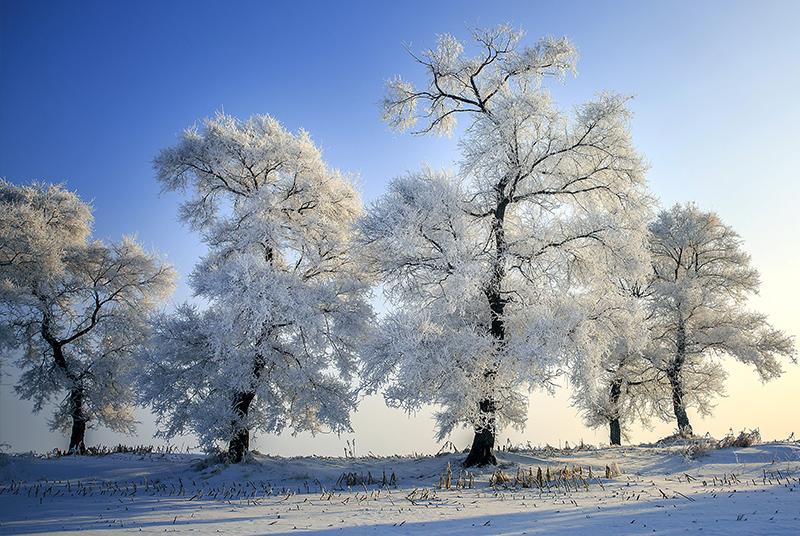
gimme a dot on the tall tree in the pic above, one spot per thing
(491, 267)
(79, 308)
(286, 298)
(702, 279)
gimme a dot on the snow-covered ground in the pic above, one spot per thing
(660, 489)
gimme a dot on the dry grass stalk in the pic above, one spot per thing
(569, 478)
(355, 479)
(744, 439)
(499, 478)
(446, 479)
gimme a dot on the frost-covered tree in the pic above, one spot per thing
(702, 279)
(493, 268)
(614, 387)
(77, 307)
(286, 299)
(612, 399)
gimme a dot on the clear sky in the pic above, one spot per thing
(91, 90)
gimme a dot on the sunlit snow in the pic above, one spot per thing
(661, 489)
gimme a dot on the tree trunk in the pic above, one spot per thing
(674, 375)
(239, 445)
(616, 432)
(240, 442)
(77, 444)
(77, 438)
(482, 451)
(614, 424)
(684, 428)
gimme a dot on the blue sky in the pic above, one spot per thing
(91, 90)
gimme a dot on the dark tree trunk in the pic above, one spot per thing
(239, 445)
(77, 438)
(240, 442)
(482, 451)
(616, 429)
(674, 376)
(684, 428)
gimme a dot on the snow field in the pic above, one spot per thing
(751, 490)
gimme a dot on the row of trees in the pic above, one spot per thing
(690, 311)
(538, 256)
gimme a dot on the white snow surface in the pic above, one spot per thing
(660, 490)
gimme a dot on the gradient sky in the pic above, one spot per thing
(91, 90)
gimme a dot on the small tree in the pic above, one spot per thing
(615, 389)
(702, 279)
(609, 386)
(77, 307)
(493, 267)
(286, 299)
